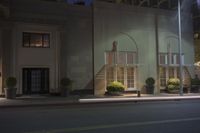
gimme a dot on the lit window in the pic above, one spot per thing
(36, 40)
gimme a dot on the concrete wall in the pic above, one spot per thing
(72, 35)
(71, 40)
(5, 51)
(36, 57)
(76, 58)
(0, 63)
(148, 27)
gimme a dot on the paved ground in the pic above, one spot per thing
(141, 117)
(46, 100)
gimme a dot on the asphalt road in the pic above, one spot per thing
(142, 117)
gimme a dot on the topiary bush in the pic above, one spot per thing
(150, 81)
(173, 84)
(11, 82)
(195, 83)
(66, 86)
(115, 88)
(10, 91)
(66, 82)
(150, 85)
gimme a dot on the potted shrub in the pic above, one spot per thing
(10, 90)
(195, 84)
(150, 85)
(115, 88)
(173, 85)
(66, 85)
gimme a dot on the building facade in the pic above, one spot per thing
(92, 45)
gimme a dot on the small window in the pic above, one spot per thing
(36, 40)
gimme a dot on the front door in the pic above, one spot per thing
(35, 80)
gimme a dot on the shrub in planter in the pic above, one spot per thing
(115, 88)
(10, 90)
(173, 85)
(150, 85)
(66, 85)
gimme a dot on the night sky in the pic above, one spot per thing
(87, 2)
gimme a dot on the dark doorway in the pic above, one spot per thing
(35, 80)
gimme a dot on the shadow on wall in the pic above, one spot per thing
(87, 89)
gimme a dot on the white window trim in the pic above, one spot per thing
(125, 66)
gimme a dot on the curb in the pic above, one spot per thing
(144, 99)
(93, 101)
(38, 105)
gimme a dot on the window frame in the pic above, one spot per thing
(117, 70)
(171, 59)
(35, 33)
(120, 58)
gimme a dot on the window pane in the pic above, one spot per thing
(46, 40)
(130, 58)
(162, 76)
(120, 74)
(110, 58)
(171, 72)
(110, 74)
(130, 77)
(178, 72)
(26, 38)
(121, 58)
(172, 59)
(182, 58)
(163, 59)
(36, 40)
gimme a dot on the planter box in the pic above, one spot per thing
(64, 92)
(10, 93)
(114, 93)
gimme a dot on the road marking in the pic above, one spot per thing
(79, 129)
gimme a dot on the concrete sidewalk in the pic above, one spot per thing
(39, 100)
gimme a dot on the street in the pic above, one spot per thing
(142, 117)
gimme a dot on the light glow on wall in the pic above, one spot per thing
(197, 64)
(198, 2)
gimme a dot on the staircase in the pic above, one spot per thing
(101, 73)
(187, 77)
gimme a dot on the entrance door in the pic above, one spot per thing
(35, 80)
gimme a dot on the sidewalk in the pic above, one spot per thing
(37, 100)
(40, 100)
